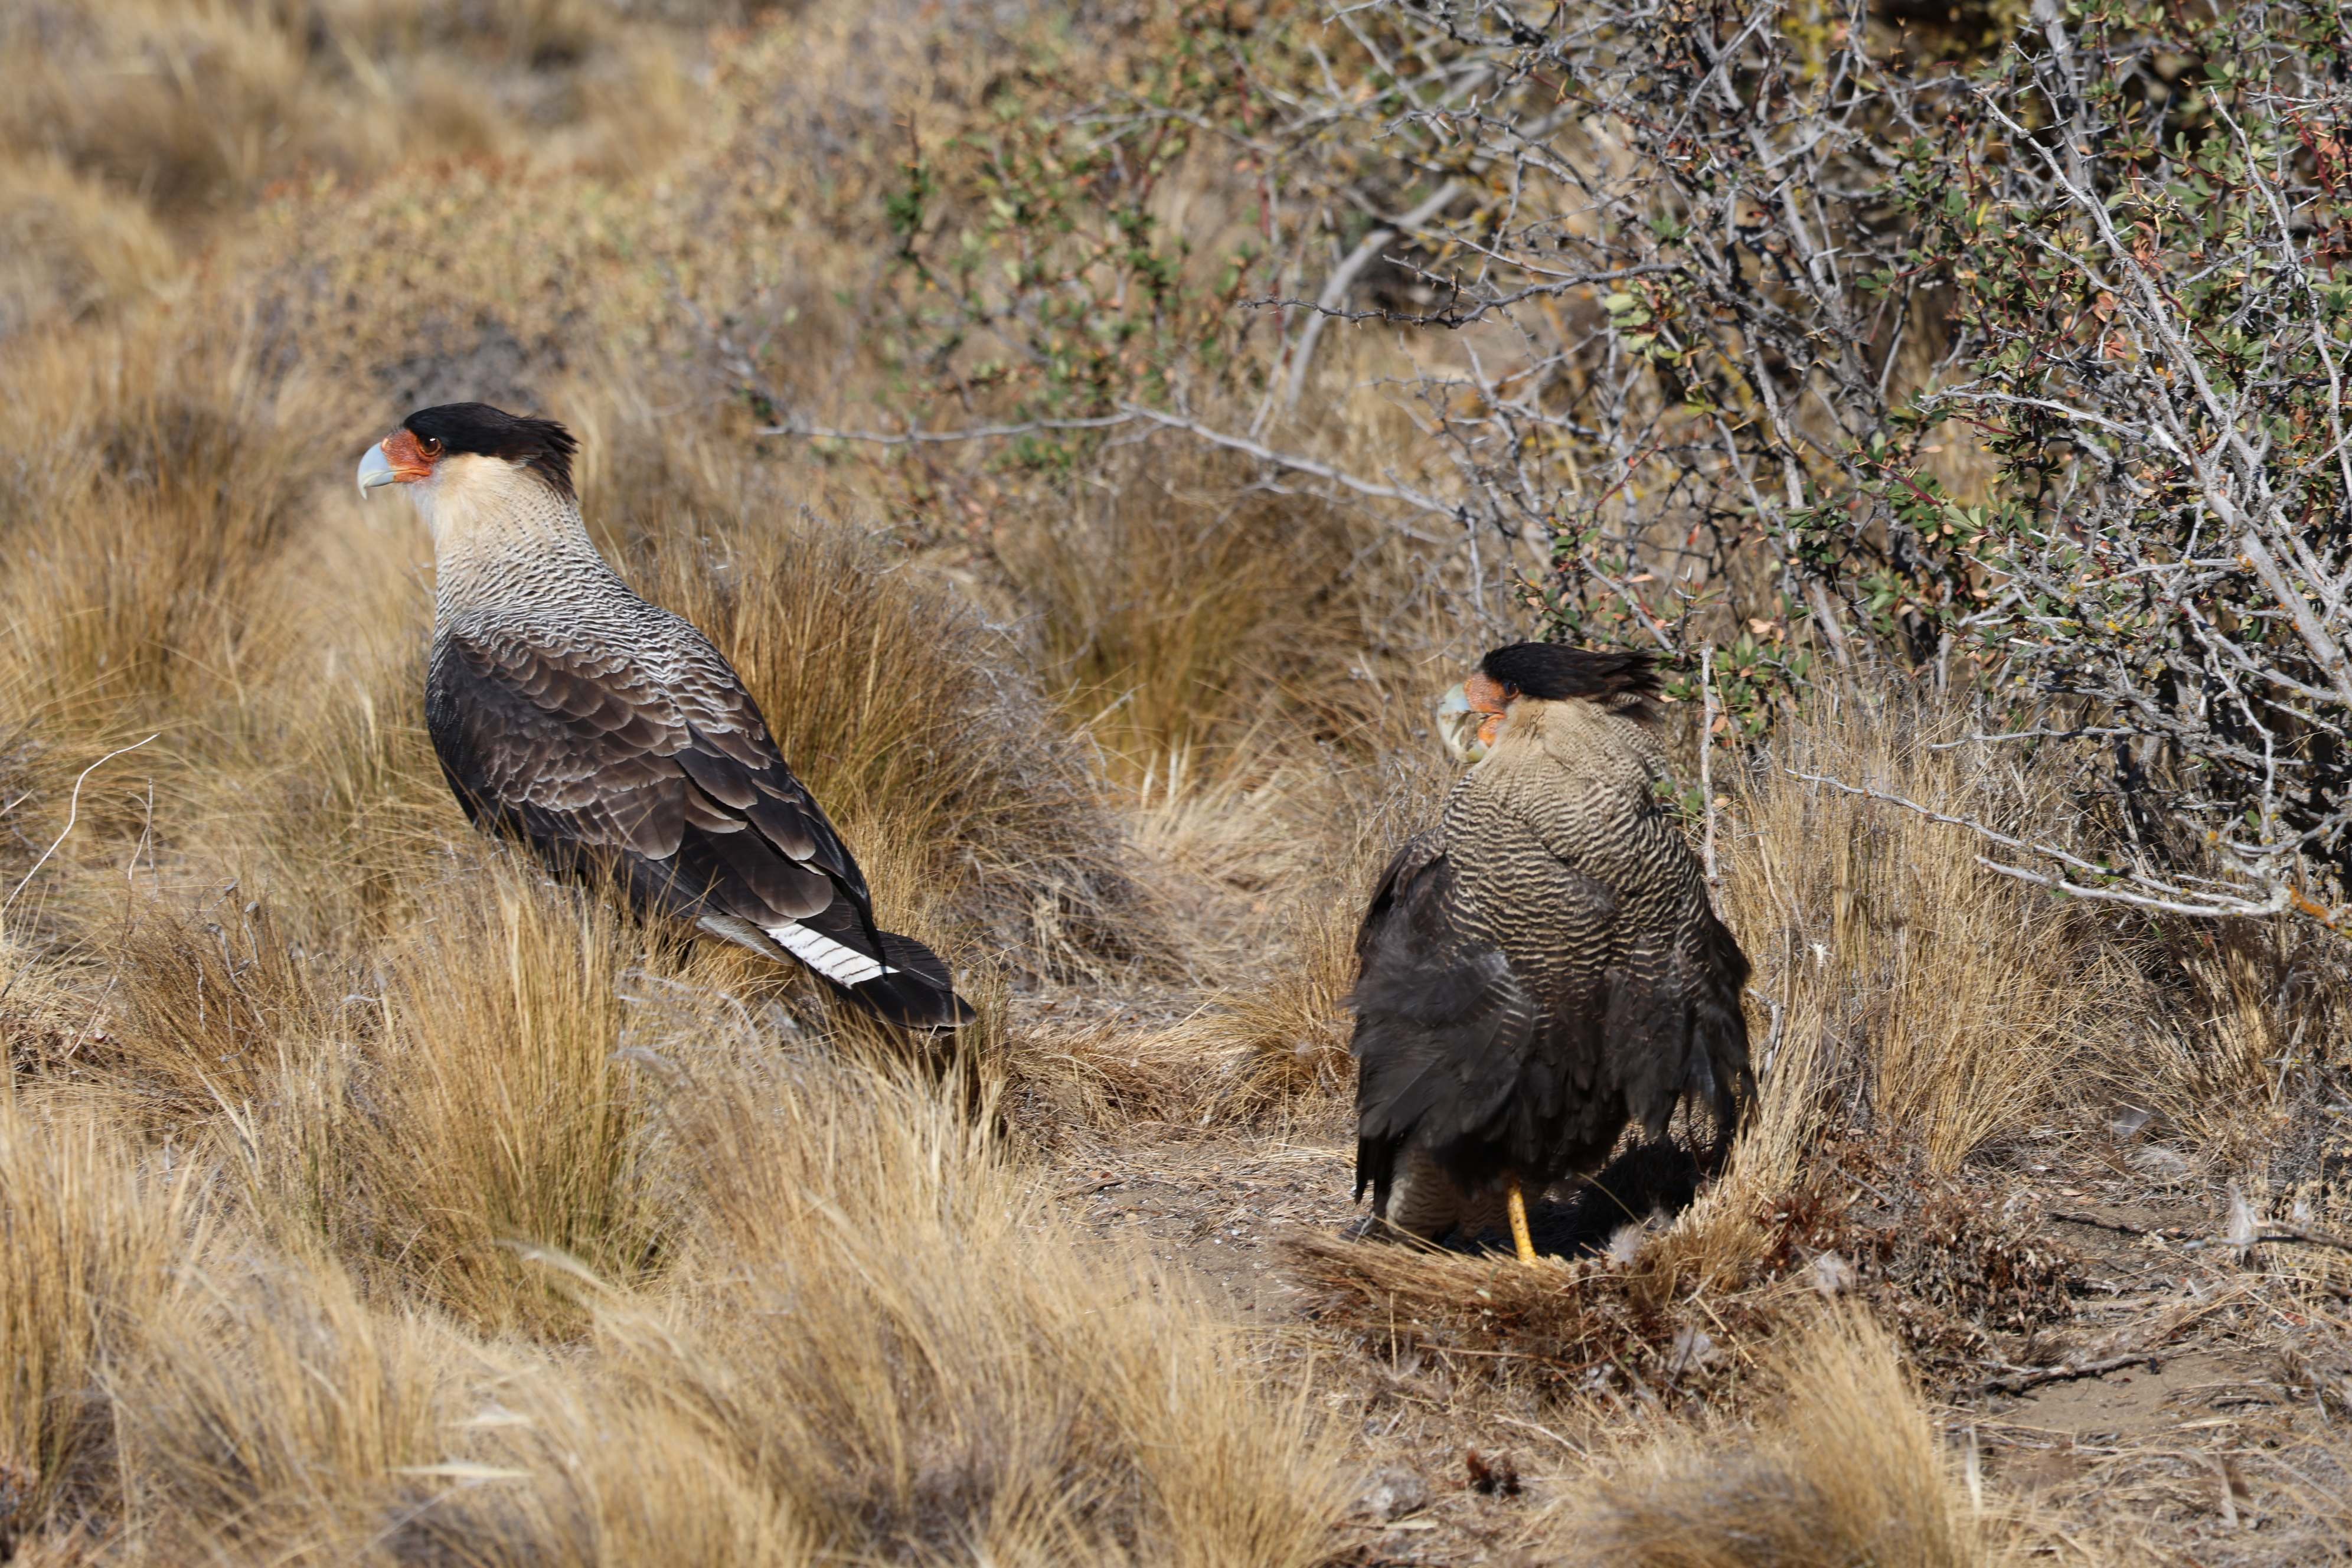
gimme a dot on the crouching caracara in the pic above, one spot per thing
(608, 735)
(1544, 967)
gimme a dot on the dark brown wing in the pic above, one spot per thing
(682, 793)
(1444, 1030)
(1669, 995)
(1712, 973)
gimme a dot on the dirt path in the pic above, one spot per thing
(2206, 1447)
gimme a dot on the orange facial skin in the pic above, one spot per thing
(1491, 697)
(1486, 694)
(409, 458)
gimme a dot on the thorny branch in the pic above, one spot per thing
(1735, 329)
(2105, 254)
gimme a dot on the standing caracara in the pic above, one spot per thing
(1545, 966)
(608, 735)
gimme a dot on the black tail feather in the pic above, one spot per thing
(919, 996)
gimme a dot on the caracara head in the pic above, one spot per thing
(458, 451)
(1473, 715)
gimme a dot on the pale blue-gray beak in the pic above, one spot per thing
(1457, 726)
(375, 468)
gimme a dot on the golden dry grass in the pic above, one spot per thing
(1848, 1467)
(93, 1233)
(2256, 1005)
(905, 711)
(196, 107)
(154, 488)
(1184, 628)
(495, 1117)
(871, 1277)
(1951, 998)
(72, 249)
(877, 1340)
(214, 1005)
(273, 1410)
(1283, 1038)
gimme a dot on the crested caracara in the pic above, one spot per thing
(611, 736)
(1544, 967)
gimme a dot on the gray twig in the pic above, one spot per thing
(2018, 1379)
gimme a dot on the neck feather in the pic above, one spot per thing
(499, 529)
(1585, 737)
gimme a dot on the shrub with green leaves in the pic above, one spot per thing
(2009, 350)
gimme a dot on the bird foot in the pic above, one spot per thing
(1519, 1237)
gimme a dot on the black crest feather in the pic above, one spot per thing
(1551, 672)
(539, 444)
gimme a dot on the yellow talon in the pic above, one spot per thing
(1518, 1206)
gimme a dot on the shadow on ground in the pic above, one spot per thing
(1660, 1179)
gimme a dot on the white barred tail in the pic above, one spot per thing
(842, 965)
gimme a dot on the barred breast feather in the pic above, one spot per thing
(1543, 969)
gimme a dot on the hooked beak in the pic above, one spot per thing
(375, 468)
(1471, 716)
(1458, 725)
(395, 460)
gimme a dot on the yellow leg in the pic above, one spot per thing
(1519, 1237)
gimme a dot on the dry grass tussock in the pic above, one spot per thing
(1188, 624)
(470, 1106)
(158, 479)
(906, 712)
(876, 1341)
(938, 1371)
(1903, 986)
(1956, 1005)
(71, 249)
(1263, 870)
(208, 1005)
(1282, 1039)
(167, 560)
(1847, 1467)
(195, 109)
(273, 1409)
(1257, 678)
(2253, 1011)
(91, 1227)
(1249, 672)
(492, 1117)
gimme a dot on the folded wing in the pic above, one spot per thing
(680, 793)
(1443, 1023)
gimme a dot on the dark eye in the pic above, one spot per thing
(430, 446)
